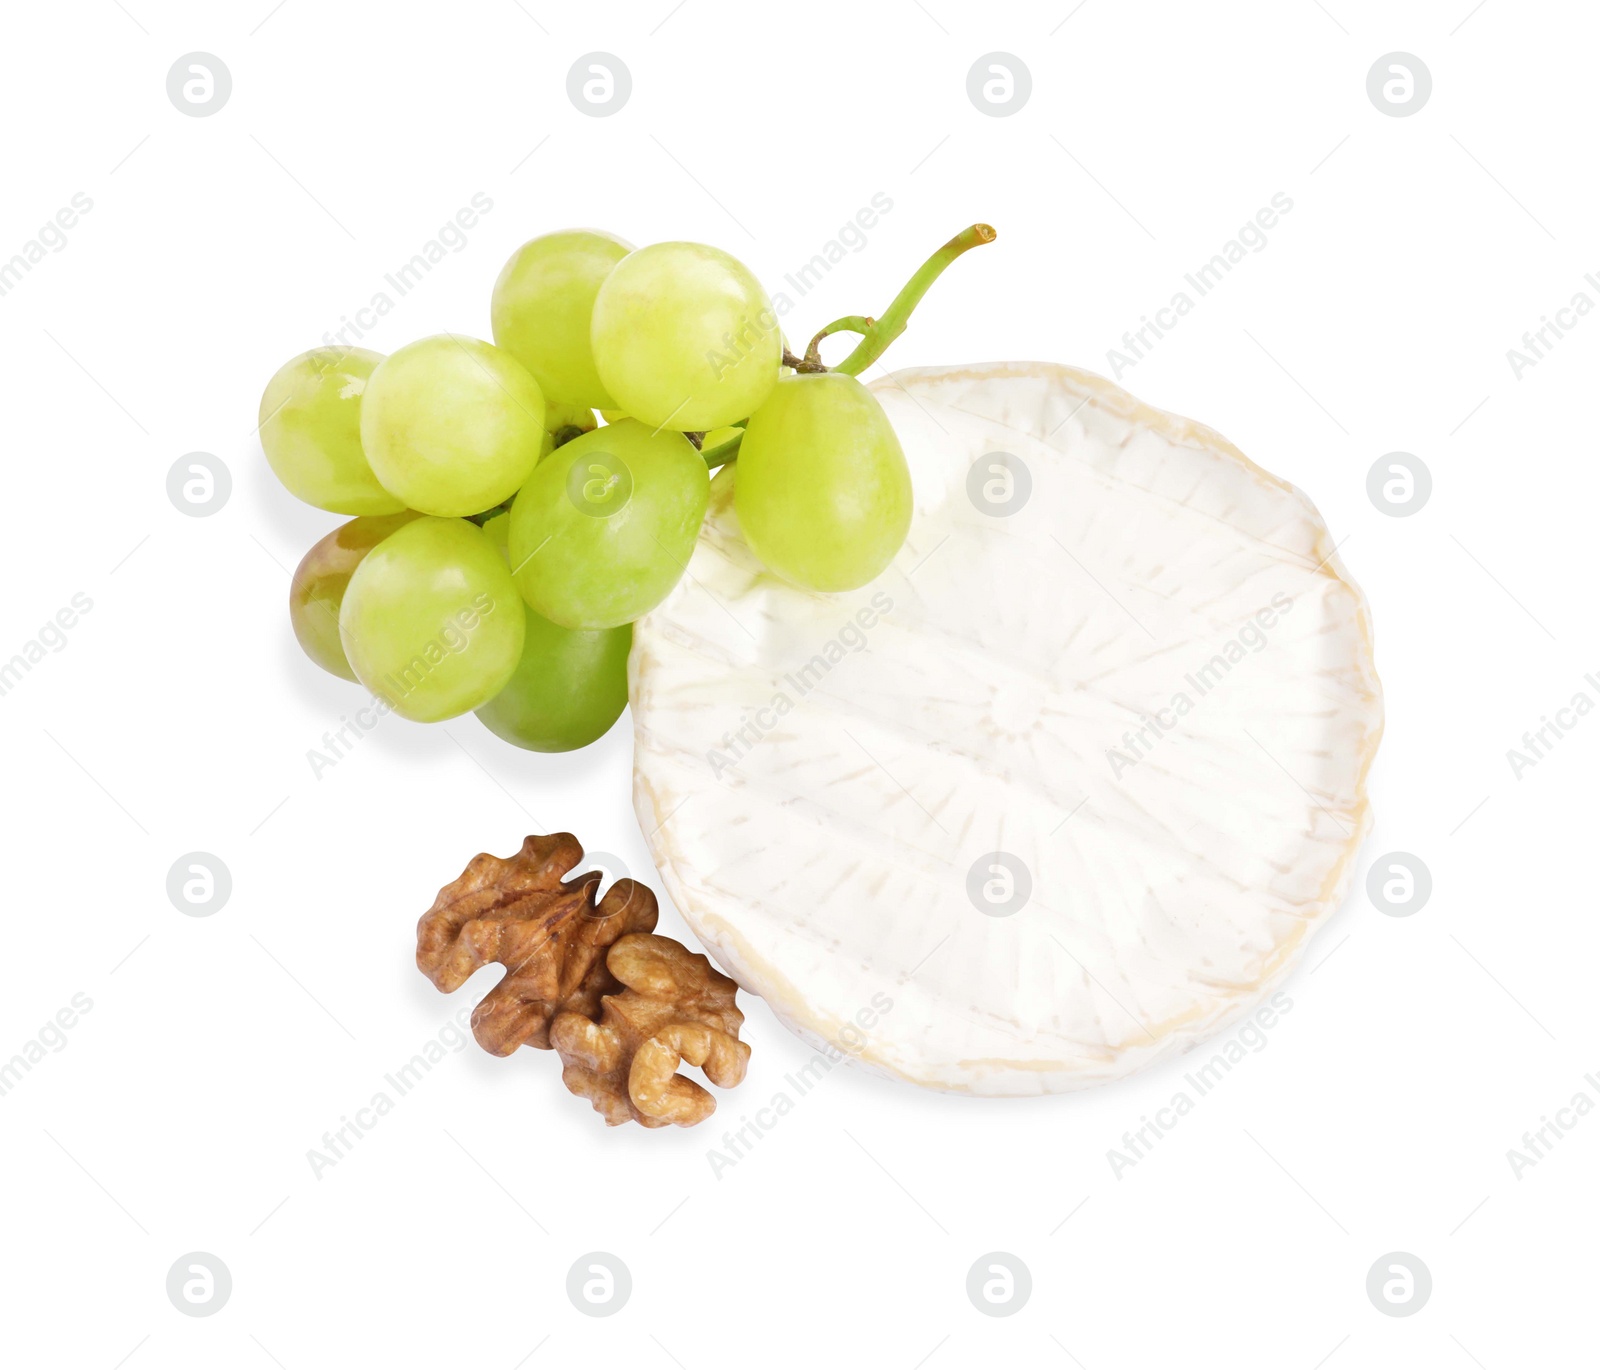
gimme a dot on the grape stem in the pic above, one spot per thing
(487, 514)
(806, 365)
(876, 334)
(892, 322)
(723, 452)
(851, 323)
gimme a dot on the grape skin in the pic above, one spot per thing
(685, 337)
(559, 415)
(310, 422)
(821, 487)
(317, 588)
(715, 437)
(451, 425)
(541, 307)
(569, 687)
(431, 621)
(585, 562)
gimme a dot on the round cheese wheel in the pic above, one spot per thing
(1065, 791)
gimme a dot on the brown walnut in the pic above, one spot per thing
(549, 934)
(675, 1007)
(622, 1007)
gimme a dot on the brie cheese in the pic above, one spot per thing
(1068, 788)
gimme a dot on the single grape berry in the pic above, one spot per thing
(451, 425)
(310, 422)
(821, 486)
(605, 527)
(685, 337)
(431, 621)
(541, 310)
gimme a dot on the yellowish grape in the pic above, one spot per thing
(821, 487)
(317, 590)
(431, 621)
(311, 431)
(542, 305)
(685, 337)
(451, 425)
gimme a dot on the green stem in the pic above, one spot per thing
(487, 514)
(723, 452)
(876, 334)
(892, 322)
(851, 323)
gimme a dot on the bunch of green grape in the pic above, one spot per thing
(505, 541)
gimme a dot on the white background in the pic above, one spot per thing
(178, 717)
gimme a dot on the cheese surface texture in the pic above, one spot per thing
(1069, 788)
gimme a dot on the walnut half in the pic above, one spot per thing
(675, 1007)
(622, 1007)
(549, 934)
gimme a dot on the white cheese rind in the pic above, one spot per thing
(816, 775)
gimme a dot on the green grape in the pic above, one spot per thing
(318, 587)
(451, 425)
(498, 530)
(569, 687)
(822, 490)
(564, 421)
(612, 415)
(431, 621)
(605, 526)
(558, 416)
(311, 431)
(685, 337)
(541, 307)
